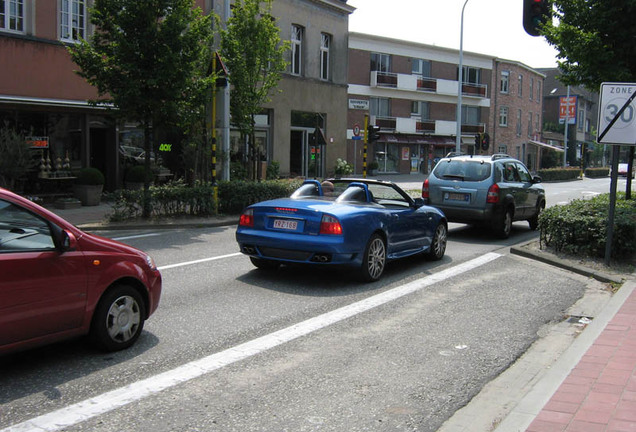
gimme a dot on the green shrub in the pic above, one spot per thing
(90, 176)
(559, 174)
(273, 170)
(234, 196)
(178, 199)
(137, 174)
(596, 172)
(580, 227)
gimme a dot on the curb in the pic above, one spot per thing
(599, 276)
(165, 224)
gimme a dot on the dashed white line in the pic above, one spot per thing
(186, 263)
(106, 402)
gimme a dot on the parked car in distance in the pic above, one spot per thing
(494, 190)
(356, 223)
(59, 282)
(622, 170)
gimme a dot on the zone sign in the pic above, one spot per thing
(617, 114)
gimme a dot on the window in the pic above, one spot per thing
(537, 129)
(72, 20)
(470, 115)
(380, 62)
(531, 91)
(379, 107)
(325, 44)
(520, 84)
(12, 15)
(538, 91)
(421, 67)
(296, 49)
(580, 120)
(22, 231)
(504, 83)
(518, 122)
(471, 75)
(503, 116)
(524, 174)
(420, 109)
(530, 118)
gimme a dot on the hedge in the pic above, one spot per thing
(580, 227)
(559, 174)
(596, 172)
(178, 199)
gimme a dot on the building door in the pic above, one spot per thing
(300, 153)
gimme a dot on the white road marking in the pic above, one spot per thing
(186, 263)
(136, 236)
(106, 402)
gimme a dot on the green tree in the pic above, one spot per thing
(149, 61)
(16, 158)
(594, 40)
(254, 55)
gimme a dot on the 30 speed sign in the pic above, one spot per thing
(617, 114)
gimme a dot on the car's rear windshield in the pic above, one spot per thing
(465, 170)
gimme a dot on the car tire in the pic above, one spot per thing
(438, 244)
(503, 224)
(534, 220)
(374, 259)
(118, 319)
(264, 264)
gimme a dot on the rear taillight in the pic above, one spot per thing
(330, 225)
(247, 218)
(493, 194)
(425, 193)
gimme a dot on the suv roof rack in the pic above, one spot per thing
(499, 156)
(455, 154)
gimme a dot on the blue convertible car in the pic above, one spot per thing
(344, 222)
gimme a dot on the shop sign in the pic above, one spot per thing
(359, 104)
(38, 142)
(165, 147)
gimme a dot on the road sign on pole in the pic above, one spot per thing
(617, 114)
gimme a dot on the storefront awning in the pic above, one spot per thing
(545, 145)
(444, 141)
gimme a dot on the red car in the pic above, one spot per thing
(58, 282)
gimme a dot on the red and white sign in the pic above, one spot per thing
(567, 109)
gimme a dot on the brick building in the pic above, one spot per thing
(410, 91)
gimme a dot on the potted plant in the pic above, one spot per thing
(88, 186)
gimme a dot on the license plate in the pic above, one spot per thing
(451, 196)
(286, 224)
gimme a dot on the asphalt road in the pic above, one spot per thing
(235, 349)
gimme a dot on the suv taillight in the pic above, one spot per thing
(247, 218)
(493, 194)
(425, 193)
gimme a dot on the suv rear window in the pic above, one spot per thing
(465, 170)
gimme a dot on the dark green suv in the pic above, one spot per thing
(495, 190)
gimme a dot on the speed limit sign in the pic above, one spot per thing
(617, 114)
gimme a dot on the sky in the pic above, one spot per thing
(492, 27)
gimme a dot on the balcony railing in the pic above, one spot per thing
(425, 84)
(414, 125)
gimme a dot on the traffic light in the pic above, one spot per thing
(478, 140)
(485, 141)
(373, 133)
(535, 13)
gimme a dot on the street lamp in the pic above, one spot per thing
(458, 130)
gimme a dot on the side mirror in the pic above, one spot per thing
(536, 179)
(419, 202)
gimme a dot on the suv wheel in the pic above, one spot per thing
(534, 220)
(503, 224)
